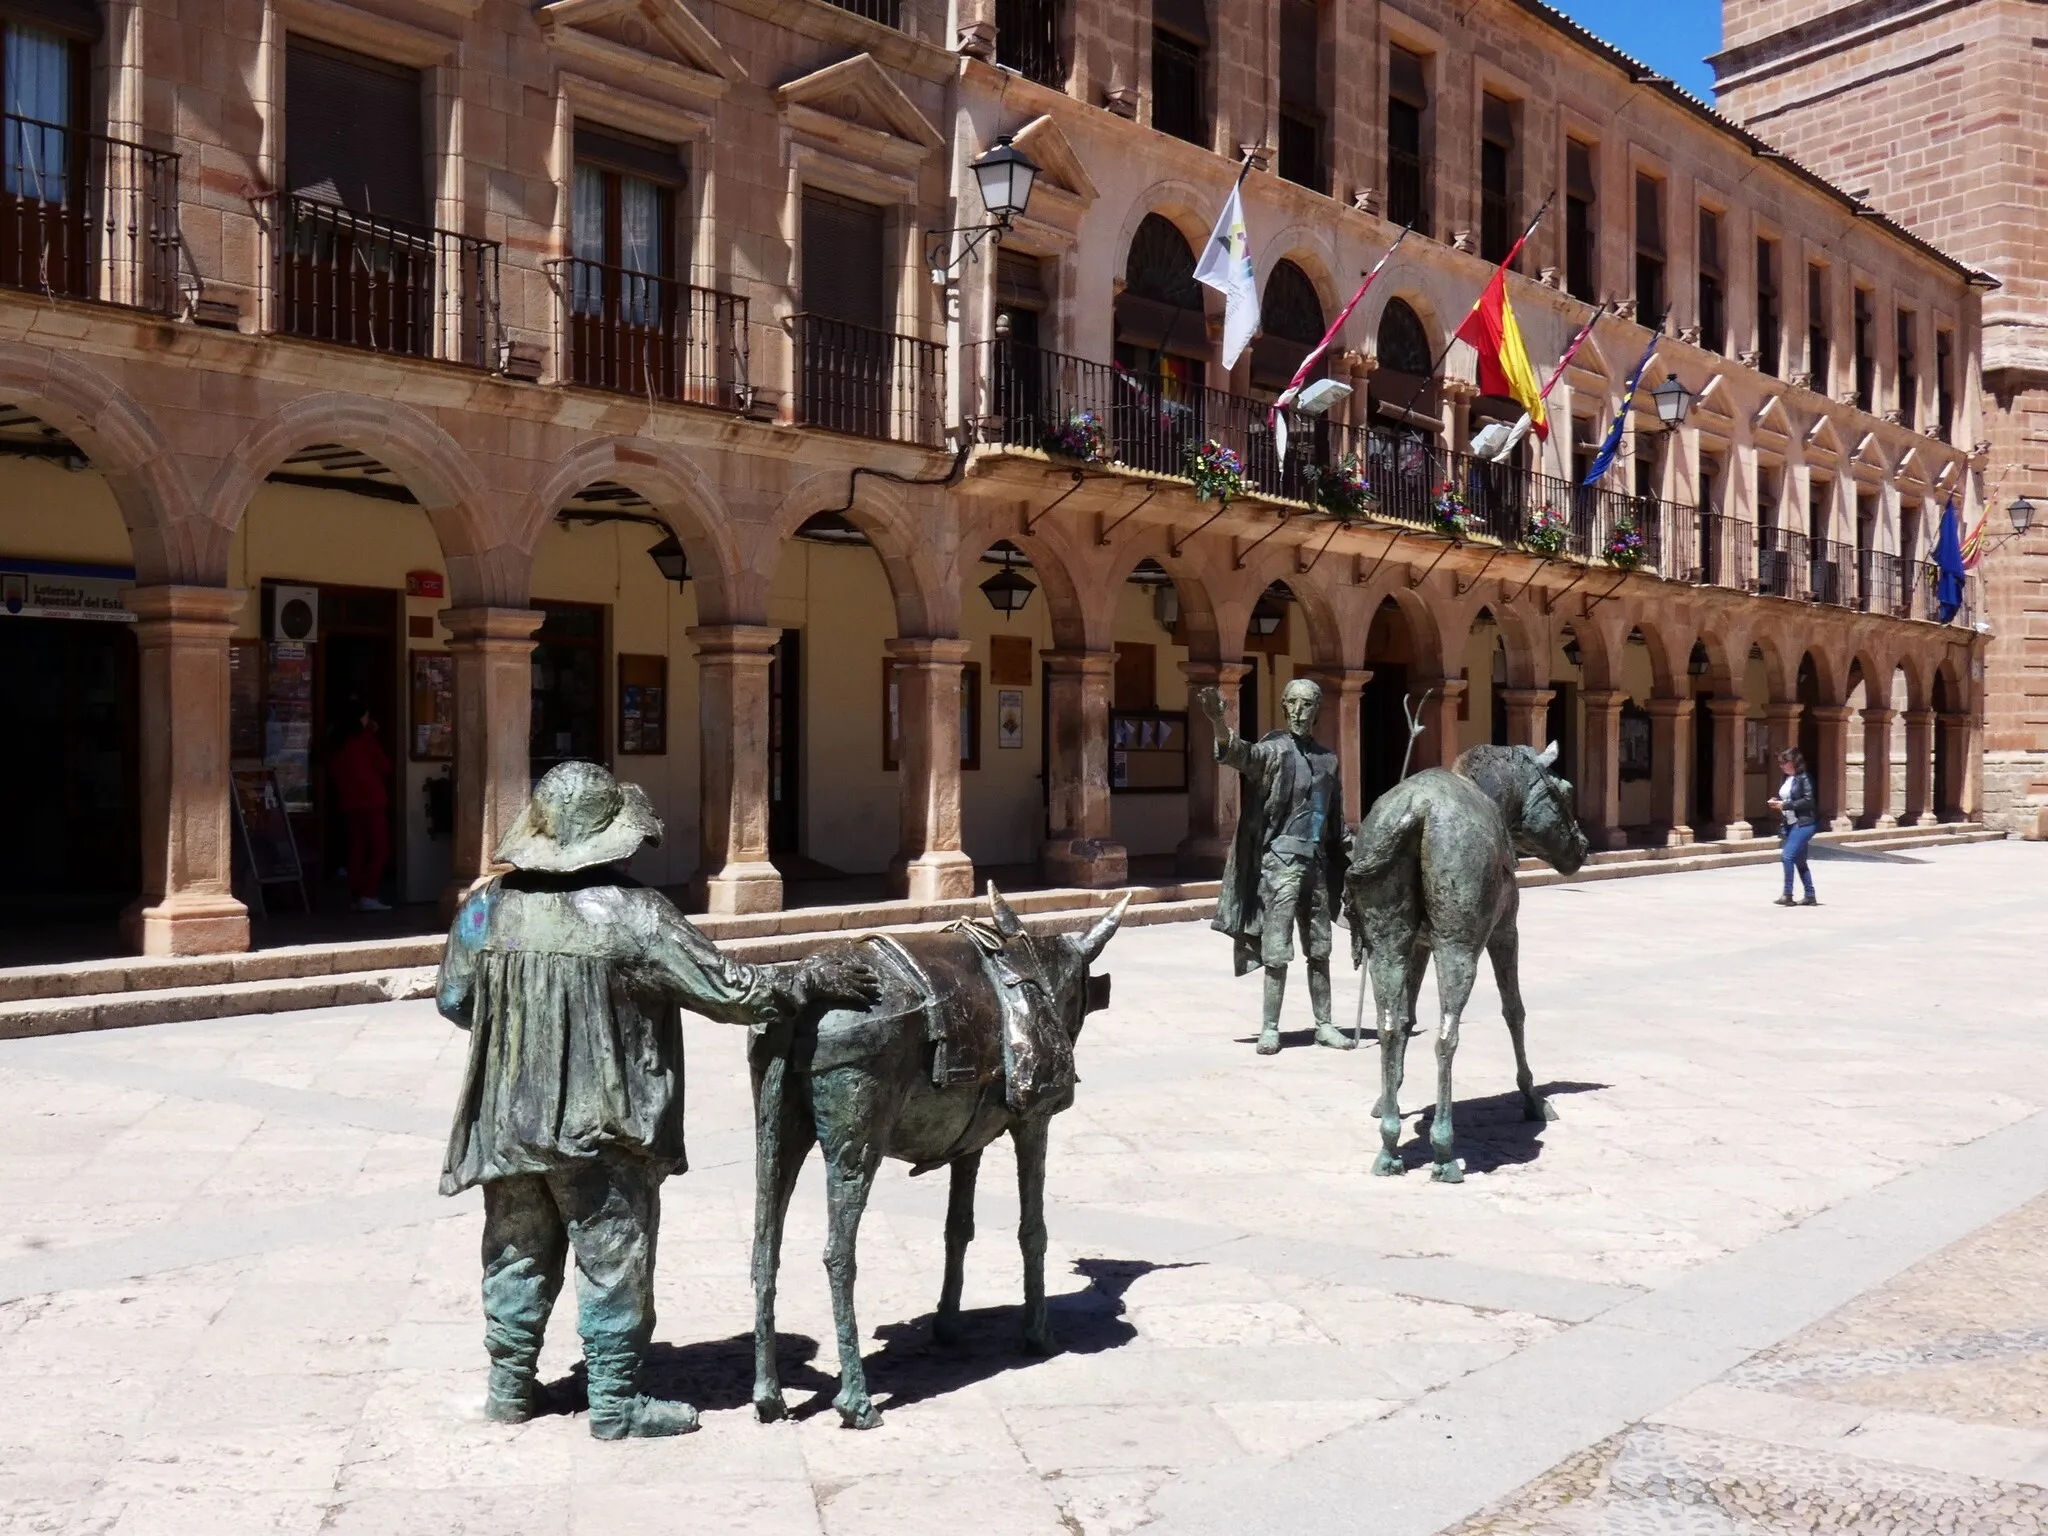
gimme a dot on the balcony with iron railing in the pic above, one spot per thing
(85, 216)
(1782, 567)
(383, 285)
(1831, 573)
(870, 383)
(1028, 40)
(655, 337)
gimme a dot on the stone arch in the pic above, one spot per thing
(1830, 671)
(1870, 668)
(1526, 639)
(1325, 626)
(927, 604)
(1054, 561)
(1670, 646)
(1600, 641)
(1919, 679)
(1426, 629)
(1177, 202)
(485, 563)
(1193, 580)
(1727, 660)
(1781, 661)
(1309, 251)
(682, 493)
(171, 542)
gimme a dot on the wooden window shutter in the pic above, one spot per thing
(1405, 78)
(843, 273)
(353, 132)
(646, 158)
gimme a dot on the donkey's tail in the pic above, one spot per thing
(1388, 839)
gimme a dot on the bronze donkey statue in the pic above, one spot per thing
(972, 1036)
(1433, 872)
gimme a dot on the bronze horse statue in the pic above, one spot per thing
(1433, 872)
(973, 1035)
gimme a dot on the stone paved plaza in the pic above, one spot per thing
(1778, 1267)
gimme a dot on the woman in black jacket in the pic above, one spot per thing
(1797, 805)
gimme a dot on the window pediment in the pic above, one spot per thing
(854, 109)
(654, 40)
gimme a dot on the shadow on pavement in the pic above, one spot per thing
(716, 1373)
(1491, 1131)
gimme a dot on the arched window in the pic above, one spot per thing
(1159, 313)
(1160, 266)
(1404, 344)
(1290, 322)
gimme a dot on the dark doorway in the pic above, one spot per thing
(1383, 731)
(1809, 735)
(568, 687)
(1557, 727)
(785, 745)
(1944, 770)
(67, 693)
(355, 667)
(1703, 763)
(1248, 701)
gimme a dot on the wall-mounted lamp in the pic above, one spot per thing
(669, 558)
(2022, 514)
(1696, 664)
(1166, 606)
(1008, 591)
(1673, 401)
(1572, 654)
(1005, 175)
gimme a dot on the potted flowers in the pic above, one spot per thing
(1447, 507)
(1217, 472)
(1082, 436)
(1624, 546)
(1546, 532)
(1340, 489)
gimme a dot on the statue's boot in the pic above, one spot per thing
(524, 1251)
(514, 1393)
(1276, 992)
(1327, 1032)
(617, 1409)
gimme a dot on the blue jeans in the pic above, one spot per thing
(1792, 854)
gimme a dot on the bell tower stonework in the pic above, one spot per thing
(1935, 112)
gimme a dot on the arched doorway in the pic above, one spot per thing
(1382, 720)
(1405, 414)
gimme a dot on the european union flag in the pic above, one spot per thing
(1948, 560)
(1612, 446)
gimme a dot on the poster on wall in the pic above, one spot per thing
(643, 706)
(1756, 745)
(245, 700)
(1635, 741)
(38, 589)
(1009, 719)
(1148, 751)
(433, 706)
(288, 723)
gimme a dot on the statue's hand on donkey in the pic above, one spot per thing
(1433, 872)
(964, 1035)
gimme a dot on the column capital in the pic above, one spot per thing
(715, 641)
(1603, 698)
(199, 606)
(1879, 717)
(1784, 711)
(482, 625)
(1085, 663)
(1345, 682)
(1214, 674)
(934, 651)
(1528, 698)
(1919, 719)
(1663, 708)
(1727, 709)
(1445, 687)
(1829, 714)
(1951, 719)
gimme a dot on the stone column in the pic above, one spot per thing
(1081, 849)
(1730, 718)
(1599, 796)
(1782, 717)
(1877, 767)
(187, 906)
(1831, 773)
(733, 871)
(1212, 788)
(493, 650)
(1337, 728)
(929, 864)
(1920, 768)
(1437, 746)
(1670, 768)
(1954, 744)
(1528, 716)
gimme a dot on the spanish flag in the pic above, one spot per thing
(1503, 361)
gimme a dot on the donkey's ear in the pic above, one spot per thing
(1006, 920)
(1548, 755)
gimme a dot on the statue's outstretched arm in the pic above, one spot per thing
(700, 976)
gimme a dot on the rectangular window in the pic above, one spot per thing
(1407, 179)
(1581, 264)
(1496, 178)
(1649, 250)
(1909, 368)
(1180, 68)
(354, 132)
(1945, 385)
(1769, 315)
(1863, 311)
(1712, 295)
(847, 356)
(1301, 111)
(626, 314)
(1817, 328)
(43, 221)
(1028, 40)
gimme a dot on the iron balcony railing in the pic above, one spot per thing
(1781, 562)
(1151, 421)
(871, 383)
(888, 12)
(1727, 551)
(1028, 40)
(1921, 594)
(85, 216)
(651, 336)
(1832, 573)
(385, 286)
(1877, 582)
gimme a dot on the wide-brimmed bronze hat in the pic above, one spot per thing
(579, 816)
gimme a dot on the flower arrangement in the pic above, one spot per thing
(1082, 436)
(1341, 489)
(1217, 472)
(1448, 508)
(1546, 532)
(1624, 546)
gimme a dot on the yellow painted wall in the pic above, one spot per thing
(48, 512)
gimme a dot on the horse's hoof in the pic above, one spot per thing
(1269, 1042)
(769, 1408)
(1452, 1172)
(1386, 1165)
(1538, 1108)
(863, 1415)
(1334, 1038)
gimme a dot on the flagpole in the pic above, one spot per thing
(1450, 340)
(1159, 352)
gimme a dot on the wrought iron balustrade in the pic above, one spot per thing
(1781, 562)
(651, 336)
(888, 12)
(1028, 40)
(1727, 550)
(86, 216)
(385, 286)
(871, 383)
(1832, 574)
(1877, 582)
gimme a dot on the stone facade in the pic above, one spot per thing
(1935, 114)
(475, 433)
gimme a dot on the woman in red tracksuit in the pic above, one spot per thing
(361, 770)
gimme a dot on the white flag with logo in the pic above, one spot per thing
(1226, 266)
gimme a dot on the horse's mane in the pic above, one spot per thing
(1502, 774)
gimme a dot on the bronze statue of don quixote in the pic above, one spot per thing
(925, 1047)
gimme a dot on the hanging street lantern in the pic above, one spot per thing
(1008, 591)
(668, 556)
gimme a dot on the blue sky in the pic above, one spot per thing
(1672, 36)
